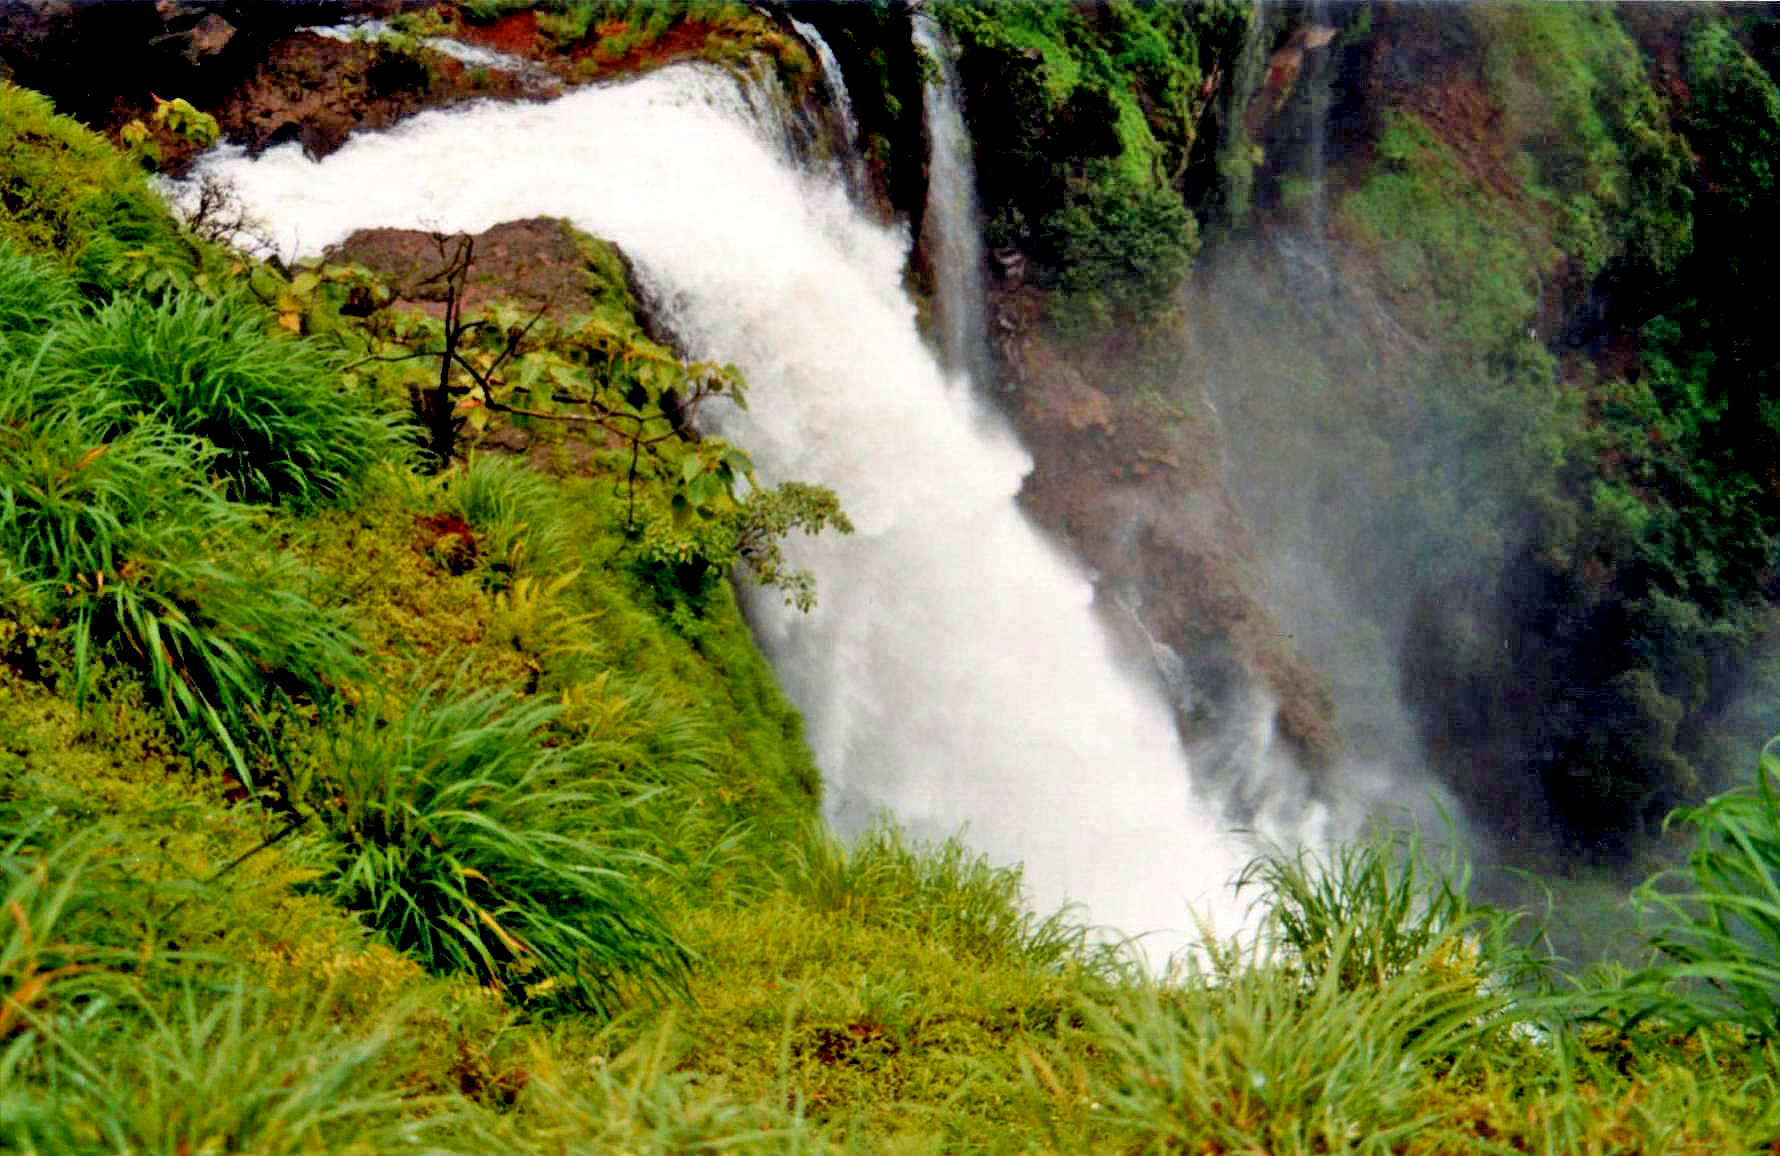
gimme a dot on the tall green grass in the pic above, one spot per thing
(1718, 919)
(1366, 910)
(473, 841)
(208, 1073)
(645, 1098)
(942, 892)
(34, 293)
(283, 426)
(515, 513)
(142, 561)
(1247, 1057)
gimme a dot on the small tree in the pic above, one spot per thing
(601, 373)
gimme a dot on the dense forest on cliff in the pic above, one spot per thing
(385, 762)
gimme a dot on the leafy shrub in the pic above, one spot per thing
(283, 427)
(1121, 250)
(1091, 117)
(1720, 916)
(461, 837)
(701, 541)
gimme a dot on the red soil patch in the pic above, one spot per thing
(515, 34)
(451, 540)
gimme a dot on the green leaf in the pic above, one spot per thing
(690, 467)
(704, 488)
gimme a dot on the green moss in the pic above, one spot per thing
(1452, 251)
(67, 193)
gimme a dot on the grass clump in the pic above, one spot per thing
(943, 893)
(34, 292)
(207, 1073)
(140, 561)
(513, 513)
(1368, 911)
(1249, 1057)
(284, 428)
(471, 841)
(1719, 918)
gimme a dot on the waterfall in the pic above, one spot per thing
(951, 226)
(847, 159)
(953, 673)
(1319, 65)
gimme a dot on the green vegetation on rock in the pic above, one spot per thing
(1094, 114)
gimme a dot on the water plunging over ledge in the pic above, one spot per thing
(953, 673)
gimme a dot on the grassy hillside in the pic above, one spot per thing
(352, 802)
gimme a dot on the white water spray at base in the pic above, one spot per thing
(953, 672)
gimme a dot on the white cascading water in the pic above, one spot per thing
(953, 673)
(952, 225)
(848, 161)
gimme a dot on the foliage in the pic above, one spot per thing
(1094, 118)
(44, 976)
(1620, 528)
(706, 534)
(1465, 266)
(1375, 908)
(1249, 1059)
(566, 24)
(645, 1099)
(943, 893)
(883, 996)
(178, 119)
(283, 427)
(207, 1073)
(1122, 253)
(67, 194)
(467, 838)
(34, 293)
(1719, 918)
(513, 511)
(122, 538)
(600, 374)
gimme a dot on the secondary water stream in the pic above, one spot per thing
(954, 674)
